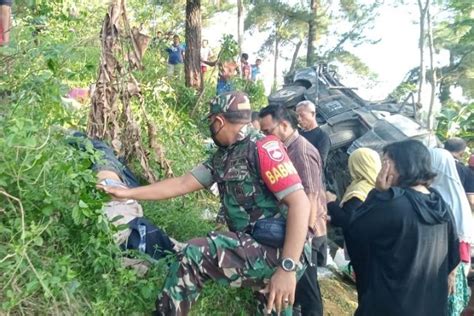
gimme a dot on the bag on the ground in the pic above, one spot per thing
(147, 238)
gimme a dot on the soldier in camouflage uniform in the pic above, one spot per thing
(256, 180)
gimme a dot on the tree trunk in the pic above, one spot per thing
(192, 58)
(433, 78)
(240, 10)
(295, 55)
(311, 33)
(421, 44)
(275, 63)
(445, 82)
(111, 116)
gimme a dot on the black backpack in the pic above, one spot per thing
(147, 238)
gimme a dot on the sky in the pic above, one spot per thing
(391, 58)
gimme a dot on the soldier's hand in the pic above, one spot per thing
(385, 178)
(281, 290)
(115, 192)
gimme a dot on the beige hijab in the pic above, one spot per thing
(364, 166)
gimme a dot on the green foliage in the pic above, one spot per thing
(408, 85)
(56, 246)
(357, 65)
(456, 119)
(457, 35)
(229, 48)
(403, 90)
(255, 91)
(168, 16)
(283, 21)
(339, 26)
(353, 19)
(57, 254)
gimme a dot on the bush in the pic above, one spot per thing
(255, 91)
(56, 249)
(456, 119)
(56, 246)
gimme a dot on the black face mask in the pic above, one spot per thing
(214, 134)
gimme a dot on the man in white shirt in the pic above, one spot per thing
(205, 55)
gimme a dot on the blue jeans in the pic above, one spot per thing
(108, 162)
(223, 86)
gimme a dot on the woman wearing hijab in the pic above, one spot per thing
(402, 240)
(448, 184)
(364, 165)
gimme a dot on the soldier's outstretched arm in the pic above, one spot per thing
(161, 190)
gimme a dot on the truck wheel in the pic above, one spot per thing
(288, 96)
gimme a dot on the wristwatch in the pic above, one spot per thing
(288, 264)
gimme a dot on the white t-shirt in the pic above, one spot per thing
(205, 54)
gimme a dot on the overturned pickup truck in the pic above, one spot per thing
(350, 121)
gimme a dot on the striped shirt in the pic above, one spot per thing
(307, 161)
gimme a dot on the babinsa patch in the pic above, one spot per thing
(276, 168)
(274, 151)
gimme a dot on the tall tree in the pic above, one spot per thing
(357, 17)
(432, 77)
(295, 55)
(457, 36)
(192, 58)
(111, 116)
(338, 26)
(240, 10)
(423, 6)
(310, 58)
(283, 23)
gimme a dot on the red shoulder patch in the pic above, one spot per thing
(276, 168)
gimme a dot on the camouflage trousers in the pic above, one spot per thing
(234, 259)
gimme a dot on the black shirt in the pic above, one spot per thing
(467, 177)
(402, 245)
(319, 139)
(340, 216)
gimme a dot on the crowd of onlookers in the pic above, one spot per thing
(227, 69)
(407, 221)
(406, 215)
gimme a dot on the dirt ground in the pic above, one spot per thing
(339, 297)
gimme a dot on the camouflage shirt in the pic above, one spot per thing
(253, 175)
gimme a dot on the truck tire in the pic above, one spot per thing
(342, 138)
(288, 96)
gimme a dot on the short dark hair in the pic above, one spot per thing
(412, 161)
(237, 117)
(255, 115)
(176, 36)
(455, 145)
(245, 56)
(280, 113)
